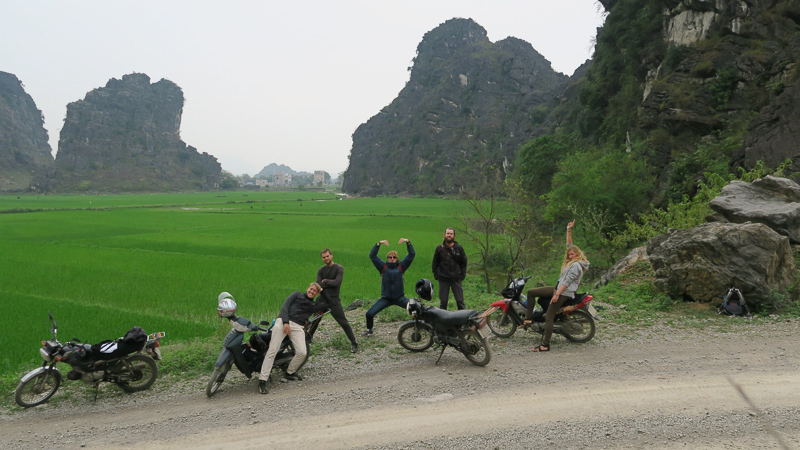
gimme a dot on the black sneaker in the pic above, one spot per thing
(262, 387)
(354, 348)
(293, 376)
(367, 333)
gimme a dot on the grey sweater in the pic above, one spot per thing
(571, 277)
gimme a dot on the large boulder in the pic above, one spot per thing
(701, 263)
(773, 201)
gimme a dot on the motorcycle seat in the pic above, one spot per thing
(446, 317)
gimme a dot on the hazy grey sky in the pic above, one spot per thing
(264, 81)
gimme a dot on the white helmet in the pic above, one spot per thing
(226, 306)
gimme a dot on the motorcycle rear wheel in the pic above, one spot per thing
(415, 337)
(475, 348)
(139, 372)
(501, 323)
(217, 377)
(37, 390)
(579, 320)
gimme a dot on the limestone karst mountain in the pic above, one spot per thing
(25, 155)
(126, 137)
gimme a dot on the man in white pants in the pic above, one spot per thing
(296, 310)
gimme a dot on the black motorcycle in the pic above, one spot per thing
(248, 357)
(464, 330)
(129, 362)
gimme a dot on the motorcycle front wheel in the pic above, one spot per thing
(37, 390)
(415, 337)
(501, 323)
(579, 327)
(474, 347)
(139, 372)
(218, 376)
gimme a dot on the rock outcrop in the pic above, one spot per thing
(700, 263)
(126, 137)
(469, 103)
(726, 61)
(622, 265)
(25, 155)
(773, 201)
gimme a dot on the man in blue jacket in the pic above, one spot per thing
(392, 290)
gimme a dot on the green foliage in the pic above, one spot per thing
(724, 85)
(612, 90)
(690, 211)
(675, 55)
(780, 303)
(634, 294)
(710, 156)
(611, 181)
(228, 181)
(538, 159)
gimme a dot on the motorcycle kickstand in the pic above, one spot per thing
(96, 386)
(440, 355)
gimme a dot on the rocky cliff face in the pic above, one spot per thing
(728, 61)
(468, 105)
(126, 137)
(25, 154)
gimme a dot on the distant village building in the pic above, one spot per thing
(281, 179)
(262, 182)
(319, 178)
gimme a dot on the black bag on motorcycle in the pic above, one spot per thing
(133, 341)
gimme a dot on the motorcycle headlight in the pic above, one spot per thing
(45, 354)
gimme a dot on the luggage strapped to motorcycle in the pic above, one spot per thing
(580, 301)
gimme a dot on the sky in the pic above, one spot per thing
(264, 81)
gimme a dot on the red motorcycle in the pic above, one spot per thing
(575, 321)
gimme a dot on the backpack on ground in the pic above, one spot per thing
(733, 304)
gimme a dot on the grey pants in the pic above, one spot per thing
(337, 312)
(444, 291)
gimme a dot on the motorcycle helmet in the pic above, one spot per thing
(224, 295)
(226, 306)
(424, 288)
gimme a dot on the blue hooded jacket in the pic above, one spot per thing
(392, 272)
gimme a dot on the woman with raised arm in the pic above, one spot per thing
(572, 270)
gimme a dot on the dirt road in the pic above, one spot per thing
(658, 387)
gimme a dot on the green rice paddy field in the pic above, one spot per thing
(102, 264)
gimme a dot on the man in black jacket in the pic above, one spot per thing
(450, 269)
(296, 310)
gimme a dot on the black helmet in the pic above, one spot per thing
(424, 288)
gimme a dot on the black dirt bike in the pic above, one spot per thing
(129, 362)
(464, 330)
(575, 321)
(248, 357)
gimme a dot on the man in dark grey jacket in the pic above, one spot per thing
(296, 310)
(450, 269)
(330, 277)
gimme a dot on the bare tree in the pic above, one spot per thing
(520, 231)
(479, 218)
